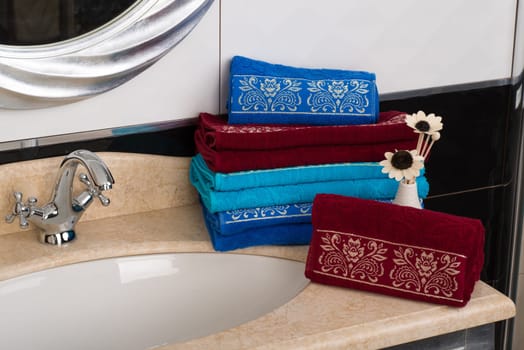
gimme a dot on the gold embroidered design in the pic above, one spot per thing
(425, 272)
(351, 257)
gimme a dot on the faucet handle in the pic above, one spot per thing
(20, 210)
(93, 190)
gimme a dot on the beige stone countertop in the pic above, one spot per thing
(320, 317)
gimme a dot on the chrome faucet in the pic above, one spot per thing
(57, 218)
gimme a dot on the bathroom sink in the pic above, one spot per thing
(142, 302)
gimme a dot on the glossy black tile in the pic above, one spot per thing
(474, 141)
(487, 205)
(172, 142)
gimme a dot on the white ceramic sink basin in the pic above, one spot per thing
(142, 302)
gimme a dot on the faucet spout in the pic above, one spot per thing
(57, 218)
(98, 172)
(97, 169)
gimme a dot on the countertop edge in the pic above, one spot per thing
(398, 331)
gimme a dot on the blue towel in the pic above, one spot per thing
(284, 234)
(380, 189)
(232, 222)
(243, 220)
(282, 176)
(262, 93)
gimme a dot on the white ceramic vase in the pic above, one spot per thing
(407, 195)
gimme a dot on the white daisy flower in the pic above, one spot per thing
(428, 127)
(402, 165)
(424, 124)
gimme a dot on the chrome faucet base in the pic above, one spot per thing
(57, 238)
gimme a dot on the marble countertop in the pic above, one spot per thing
(320, 317)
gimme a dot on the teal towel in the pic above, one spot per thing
(282, 176)
(380, 189)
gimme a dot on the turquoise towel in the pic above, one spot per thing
(265, 93)
(380, 189)
(282, 176)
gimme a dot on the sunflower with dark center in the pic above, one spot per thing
(402, 165)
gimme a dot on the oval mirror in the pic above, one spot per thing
(54, 52)
(37, 22)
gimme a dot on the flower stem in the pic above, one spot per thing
(419, 142)
(426, 152)
(424, 145)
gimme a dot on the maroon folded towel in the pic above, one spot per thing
(231, 148)
(395, 250)
(217, 134)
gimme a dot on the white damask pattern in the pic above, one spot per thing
(286, 95)
(269, 94)
(239, 214)
(276, 211)
(332, 96)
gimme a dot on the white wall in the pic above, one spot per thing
(409, 44)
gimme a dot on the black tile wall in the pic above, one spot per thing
(173, 142)
(471, 151)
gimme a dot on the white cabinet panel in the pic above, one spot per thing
(179, 85)
(409, 44)
(518, 65)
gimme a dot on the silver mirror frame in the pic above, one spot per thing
(49, 75)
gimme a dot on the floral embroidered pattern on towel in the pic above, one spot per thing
(270, 94)
(349, 97)
(427, 272)
(352, 258)
(390, 265)
(267, 213)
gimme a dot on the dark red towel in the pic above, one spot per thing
(395, 250)
(233, 161)
(231, 148)
(218, 135)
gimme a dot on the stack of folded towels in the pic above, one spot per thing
(290, 134)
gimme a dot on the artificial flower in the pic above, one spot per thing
(402, 165)
(428, 127)
(424, 124)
